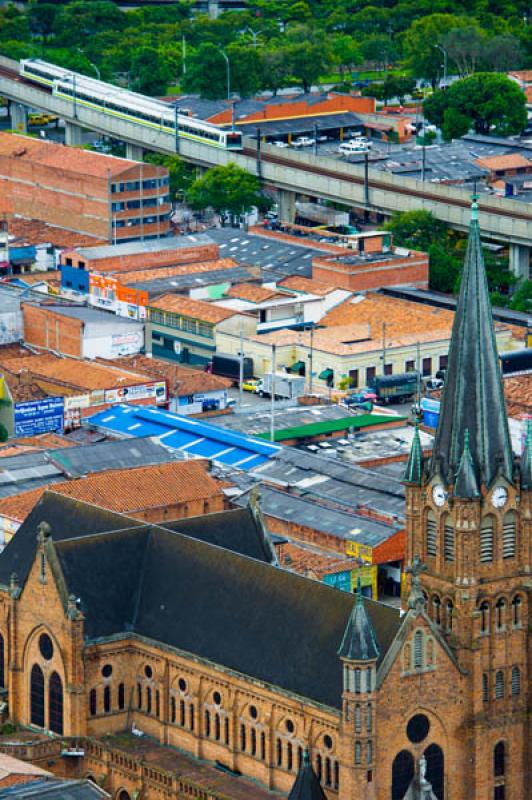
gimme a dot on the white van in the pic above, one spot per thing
(354, 146)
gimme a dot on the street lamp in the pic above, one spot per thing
(255, 35)
(95, 68)
(224, 54)
(444, 51)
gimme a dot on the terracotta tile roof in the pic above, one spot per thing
(47, 441)
(314, 562)
(59, 156)
(518, 394)
(36, 277)
(401, 316)
(155, 272)
(14, 351)
(308, 285)
(180, 380)
(524, 75)
(73, 372)
(528, 92)
(35, 232)
(252, 292)
(127, 490)
(393, 549)
(196, 309)
(510, 161)
(24, 391)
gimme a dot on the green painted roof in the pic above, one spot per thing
(329, 426)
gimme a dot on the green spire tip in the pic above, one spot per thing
(474, 208)
(359, 591)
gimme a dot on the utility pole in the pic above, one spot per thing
(184, 55)
(259, 162)
(366, 186)
(228, 65)
(444, 51)
(315, 139)
(241, 369)
(272, 412)
(176, 112)
(423, 158)
(74, 101)
(384, 348)
(311, 358)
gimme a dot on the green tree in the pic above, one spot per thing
(181, 174)
(522, 298)
(246, 69)
(41, 18)
(420, 41)
(455, 124)
(206, 72)
(491, 102)
(308, 55)
(417, 229)
(149, 71)
(229, 190)
(345, 51)
(379, 49)
(445, 269)
(275, 68)
(503, 53)
(464, 47)
(79, 20)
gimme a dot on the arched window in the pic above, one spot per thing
(448, 539)
(319, 768)
(369, 752)
(148, 699)
(436, 609)
(243, 737)
(139, 695)
(499, 757)
(369, 718)
(336, 775)
(485, 687)
(369, 679)
(279, 752)
(449, 610)
(192, 717)
(173, 710)
(486, 540)
(358, 752)
(499, 684)
(516, 681)
(509, 535)
(484, 609)
(289, 756)
(432, 533)
(500, 613)
(217, 728)
(357, 681)
(328, 772)
(253, 742)
(418, 650)
(93, 706)
(207, 723)
(121, 696)
(181, 712)
(55, 704)
(2, 662)
(358, 721)
(435, 769)
(107, 699)
(37, 696)
(157, 703)
(516, 611)
(402, 774)
(263, 746)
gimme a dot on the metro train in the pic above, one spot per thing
(124, 104)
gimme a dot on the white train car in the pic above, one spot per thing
(124, 104)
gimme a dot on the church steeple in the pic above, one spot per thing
(466, 484)
(526, 459)
(359, 642)
(307, 785)
(473, 398)
(414, 465)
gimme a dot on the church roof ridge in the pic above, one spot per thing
(359, 642)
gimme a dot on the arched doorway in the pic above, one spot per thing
(435, 769)
(37, 696)
(402, 774)
(55, 704)
(122, 795)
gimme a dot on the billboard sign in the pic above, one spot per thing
(125, 394)
(39, 416)
(340, 580)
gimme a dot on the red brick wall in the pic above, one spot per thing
(51, 331)
(165, 258)
(413, 270)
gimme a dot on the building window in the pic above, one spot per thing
(358, 752)
(107, 699)
(289, 756)
(139, 696)
(444, 361)
(431, 531)
(328, 772)
(263, 746)
(37, 696)
(319, 768)
(516, 611)
(509, 535)
(357, 681)
(516, 681)
(253, 737)
(192, 717)
(55, 704)
(499, 684)
(358, 721)
(369, 674)
(436, 609)
(388, 369)
(181, 712)
(499, 755)
(369, 718)
(500, 613)
(370, 375)
(410, 366)
(217, 728)
(499, 793)
(485, 687)
(207, 724)
(226, 730)
(448, 540)
(148, 699)
(449, 610)
(484, 616)
(418, 650)
(121, 696)
(486, 540)
(426, 366)
(279, 752)
(369, 752)
(93, 708)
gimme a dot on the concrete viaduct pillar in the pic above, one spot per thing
(134, 152)
(520, 260)
(73, 135)
(19, 117)
(287, 205)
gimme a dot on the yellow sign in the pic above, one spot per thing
(357, 550)
(368, 577)
(529, 339)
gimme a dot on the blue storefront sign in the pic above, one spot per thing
(340, 580)
(39, 416)
(431, 412)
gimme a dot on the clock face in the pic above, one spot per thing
(439, 495)
(499, 496)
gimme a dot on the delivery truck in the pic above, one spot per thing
(229, 367)
(287, 387)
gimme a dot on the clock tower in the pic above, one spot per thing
(469, 520)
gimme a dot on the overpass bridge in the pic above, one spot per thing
(291, 173)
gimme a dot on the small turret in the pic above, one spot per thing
(359, 642)
(466, 484)
(526, 459)
(414, 466)
(307, 785)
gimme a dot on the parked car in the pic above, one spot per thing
(354, 146)
(250, 385)
(303, 141)
(361, 396)
(280, 144)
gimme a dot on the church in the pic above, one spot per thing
(190, 634)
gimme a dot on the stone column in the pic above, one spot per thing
(73, 136)
(19, 117)
(520, 260)
(134, 152)
(287, 205)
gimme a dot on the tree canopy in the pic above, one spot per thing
(230, 190)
